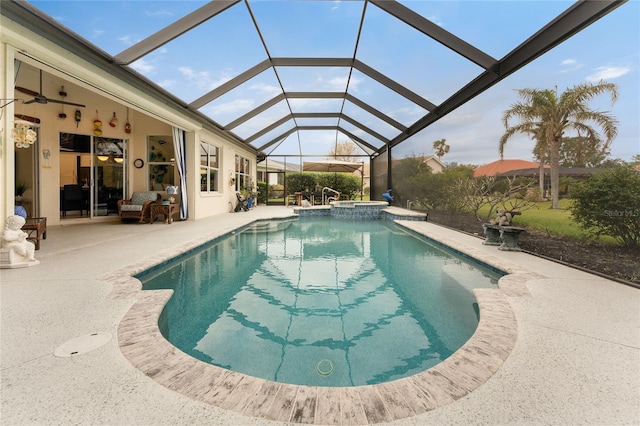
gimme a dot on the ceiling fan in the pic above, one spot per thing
(41, 99)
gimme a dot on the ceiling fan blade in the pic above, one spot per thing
(26, 91)
(55, 101)
(41, 99)
(28, 118)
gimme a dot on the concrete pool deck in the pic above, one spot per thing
(575, 360)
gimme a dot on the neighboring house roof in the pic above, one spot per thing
(503, 166)
(278, 166)
(563, 172)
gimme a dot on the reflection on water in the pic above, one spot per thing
(320, 302)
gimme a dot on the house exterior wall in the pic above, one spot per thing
(103, 95)
(435, 165)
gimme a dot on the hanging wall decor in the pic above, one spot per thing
(23, 134)
(63, 95)
(97, 126)
(127, 126)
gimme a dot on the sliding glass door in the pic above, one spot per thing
(109, 177)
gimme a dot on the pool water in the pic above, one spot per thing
(320, 301)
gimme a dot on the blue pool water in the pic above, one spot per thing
(320, 302)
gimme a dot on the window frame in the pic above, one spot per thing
(243, 177)
(210, 170)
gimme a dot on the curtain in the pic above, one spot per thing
(179, 145)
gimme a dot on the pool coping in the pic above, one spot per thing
(142, 343)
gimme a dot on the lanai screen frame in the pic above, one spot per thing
(575, 18)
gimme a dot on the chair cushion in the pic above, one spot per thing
(131, 207)
(138, 198)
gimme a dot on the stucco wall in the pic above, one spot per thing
(99, 105)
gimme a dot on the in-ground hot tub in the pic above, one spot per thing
(360, 210)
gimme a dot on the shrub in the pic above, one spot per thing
(608, 203)
(262, 192)
(276, 191)
(299, 182)
(346, 184)
(566, 185)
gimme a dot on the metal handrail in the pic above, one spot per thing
(327, 200)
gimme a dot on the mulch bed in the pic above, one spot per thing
(616, 262)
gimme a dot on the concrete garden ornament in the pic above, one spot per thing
(17, 251)
(503, 218)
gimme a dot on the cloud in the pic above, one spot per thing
(166, 84)
(126, 40)
(233, 107)
(338, 84)
(97, 33)
(607, 73)
(436, 20)
(202, 79)
(266, 88)
(143, 66)
(191, 74)
(569, 65)
(158, 12)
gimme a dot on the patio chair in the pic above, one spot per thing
(242, 204)
(138, 207)
(73, 199)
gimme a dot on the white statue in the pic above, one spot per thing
(17, 250)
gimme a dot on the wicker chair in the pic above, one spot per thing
(138, 207)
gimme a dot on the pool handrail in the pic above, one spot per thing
(328, 199)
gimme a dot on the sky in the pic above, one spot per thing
(228, 44)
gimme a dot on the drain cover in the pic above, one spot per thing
(324, 367)
(82, 344)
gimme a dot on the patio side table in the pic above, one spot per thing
(166, 209)
(36, 228)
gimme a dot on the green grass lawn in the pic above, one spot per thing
(552, 221)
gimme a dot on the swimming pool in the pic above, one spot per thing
(320, 302)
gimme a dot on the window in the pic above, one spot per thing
(209, 167)
(243, 174)
(160, 158)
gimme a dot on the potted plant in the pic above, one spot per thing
(21, 188)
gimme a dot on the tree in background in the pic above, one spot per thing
(344, 151)
(409, 178)
(413, 180)
(547, 115)
(507, 194)
(440, 148)
(579, 152)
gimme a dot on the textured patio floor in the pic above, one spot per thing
(574, 357)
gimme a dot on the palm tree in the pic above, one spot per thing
(547, 115)
(540, 152)
(441, 148)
